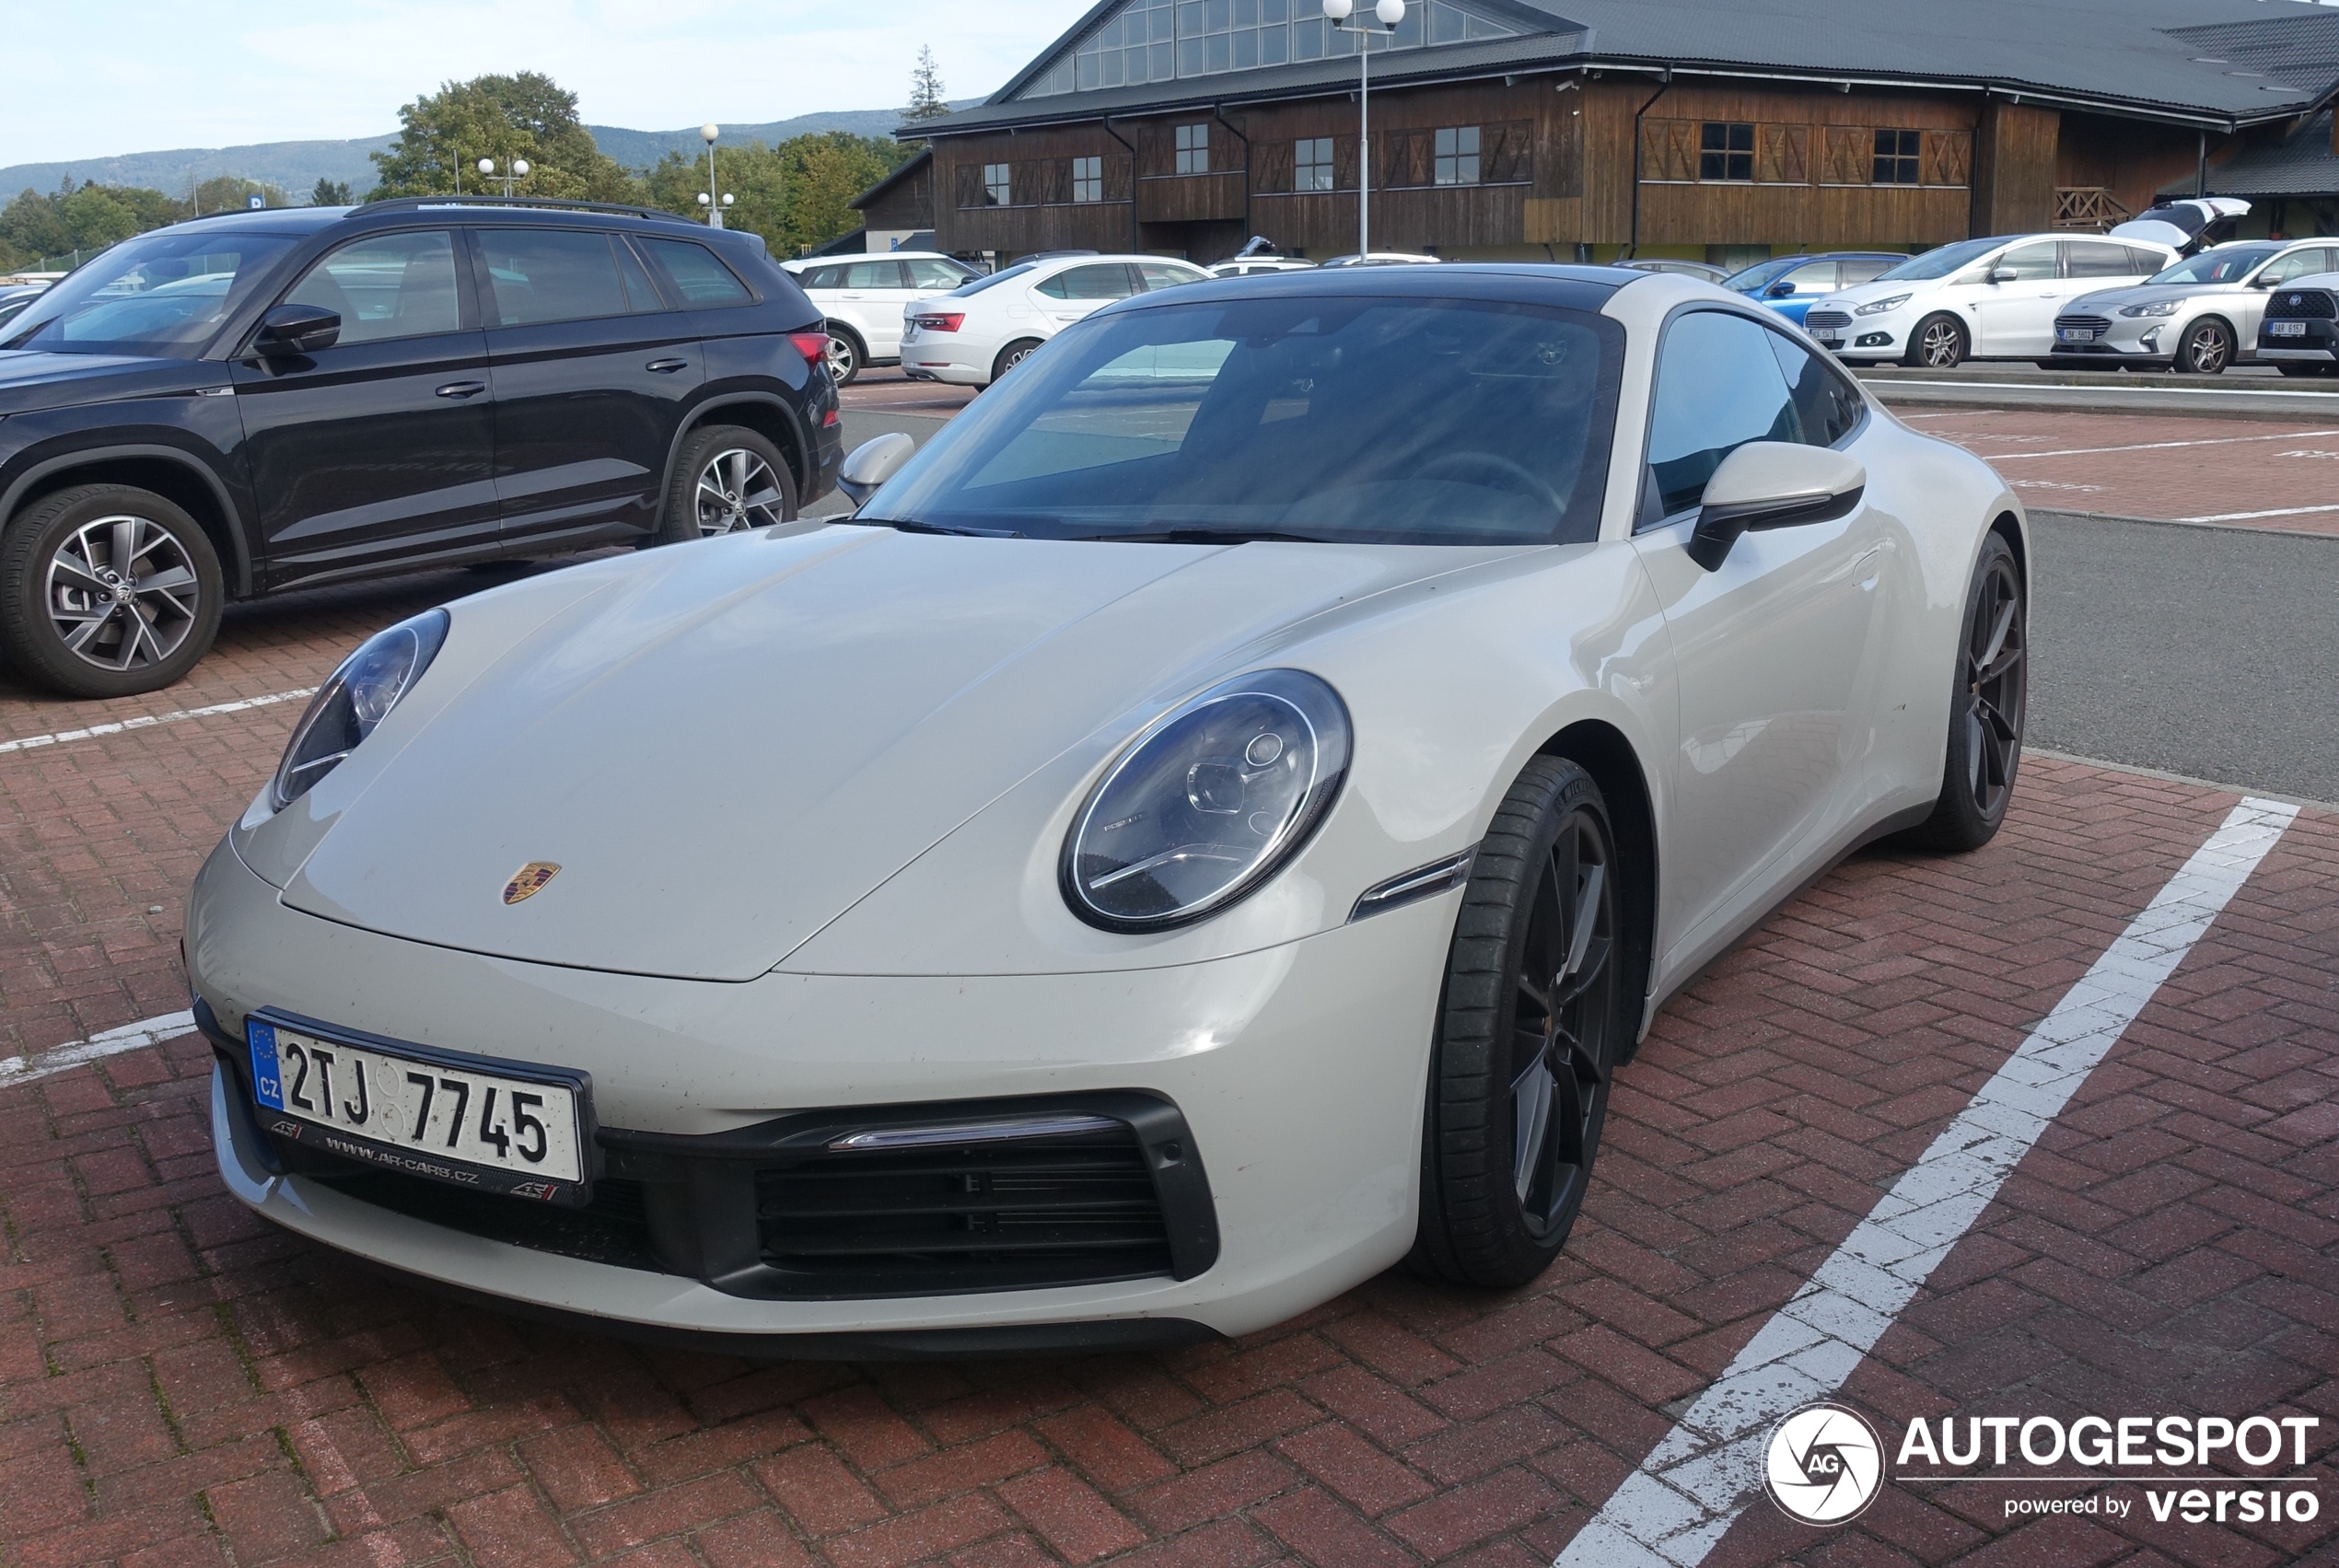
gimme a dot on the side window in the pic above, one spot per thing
(1813, 277)
(934, 274)
(2145, 262)
(1865, 271)
(820, 277)
(2030, 264)
(1718, 387)
(2297, 265)
(1160, 274)
(2095, 259)
(1103, 280)
(874, 275)
(391, 285)
(550, 274)
(698, 272)
(1826, 405)
(640, 293)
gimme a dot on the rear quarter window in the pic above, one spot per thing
(699, 275)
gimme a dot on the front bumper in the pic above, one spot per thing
(2318, 346)
(1861, 337)
(1299, 1069)
(944, 357)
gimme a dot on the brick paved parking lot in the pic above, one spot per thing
(181, 1385)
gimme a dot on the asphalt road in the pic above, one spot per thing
(2208, 652)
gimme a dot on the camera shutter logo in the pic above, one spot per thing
(1825, 1465)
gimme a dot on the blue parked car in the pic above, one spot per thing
(1789, 283)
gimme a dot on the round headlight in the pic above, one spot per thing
(1206, 803)
(359, 696)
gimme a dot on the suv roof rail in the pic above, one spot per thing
(410, 202)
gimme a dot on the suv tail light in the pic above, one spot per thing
(813, 346)
(941, 321)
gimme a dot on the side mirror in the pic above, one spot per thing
(871, 463)
(1779, 290)
(2266, 280)
(1772, 484)
(2004, 274)
(297, 328)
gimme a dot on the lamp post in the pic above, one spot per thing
(1389, 12)
(708, 133)
(514, 172)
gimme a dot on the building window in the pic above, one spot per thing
(995, 190)
(1087, 180)
(1311, 164)
(1896, 153)
(1726, 151)
(1194, 149)
(1456, 155)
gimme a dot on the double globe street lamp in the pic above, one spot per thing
(1389, 12)
(707, 198)
(513, 173)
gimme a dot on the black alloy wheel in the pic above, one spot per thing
(2206, 350)
(1986, 708)
(1531, 1028)
(107, 590)
(1938, 343)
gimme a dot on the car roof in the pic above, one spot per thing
(1535, 283)
(427, 209)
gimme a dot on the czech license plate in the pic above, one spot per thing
(2286, 329)
(2076, 335)
(1827, 337)
(493, 1126)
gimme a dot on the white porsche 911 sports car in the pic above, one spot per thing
(1209, 829)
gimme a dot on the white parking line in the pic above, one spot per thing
(142, 721)
(2245, 516)
(14, 1070)
(1700, 1477)
(2146, 445)
(1883, 387)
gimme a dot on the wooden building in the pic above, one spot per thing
(1503, 128)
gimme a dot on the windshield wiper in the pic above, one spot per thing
(907, 525)
(1204, 536)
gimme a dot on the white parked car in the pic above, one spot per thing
(864, 296)
(981, 330)
(1386, 258)
(1977, 299)
(1259, 266)
(1210, 828)
(2198, 316)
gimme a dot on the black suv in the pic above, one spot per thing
(262, 400)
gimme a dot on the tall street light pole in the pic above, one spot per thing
(708, 133)
(1389, 12)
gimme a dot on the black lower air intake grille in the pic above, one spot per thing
(612, 1228)
(1073, 1208)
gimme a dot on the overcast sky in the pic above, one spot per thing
(141, 75)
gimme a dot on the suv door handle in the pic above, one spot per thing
(667, 367)
(462, 388)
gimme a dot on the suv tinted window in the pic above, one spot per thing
(161, 294)
(1101, 280)
(640, 293)
(2097, 258)
(698, 272)
(387, 286)
(550, 274)
(1718, 387)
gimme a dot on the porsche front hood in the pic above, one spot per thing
(735, 741)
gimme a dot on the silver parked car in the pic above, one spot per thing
(2197, 317)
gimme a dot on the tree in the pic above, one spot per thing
(330, 193)
(442, 135)
(226, 192)
(795, 195)
(926, 101)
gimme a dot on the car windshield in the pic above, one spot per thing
(1389, 420)
(161, 294)
(1941, 262)
(976, 286)
(2227, 263)
(1760, 272)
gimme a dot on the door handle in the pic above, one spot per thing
(667, 367)
(462, 388)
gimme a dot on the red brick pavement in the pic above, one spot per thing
(2151, 465)
(182, 1385)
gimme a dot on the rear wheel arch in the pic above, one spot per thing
(1602, 750)
(185, 482)
(768, 417)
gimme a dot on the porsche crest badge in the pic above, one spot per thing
(530, 880)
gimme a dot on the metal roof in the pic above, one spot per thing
(2301, 164)
(2233, 62)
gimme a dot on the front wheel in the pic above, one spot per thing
(2206, 350)
(1938, 343)
(1532, 1023)
(1986, 708)
(107, 590)
(727, 478)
